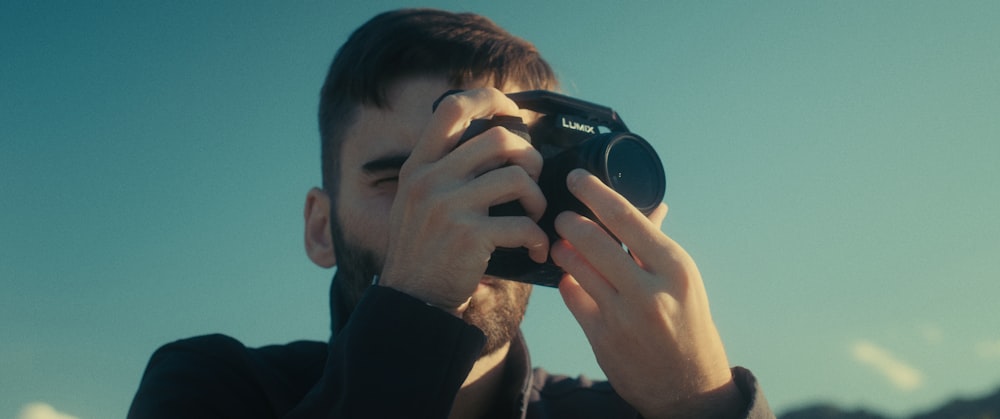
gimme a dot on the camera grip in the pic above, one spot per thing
(513, 124)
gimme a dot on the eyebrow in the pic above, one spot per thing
(385, 163)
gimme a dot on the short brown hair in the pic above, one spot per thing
(418, 42)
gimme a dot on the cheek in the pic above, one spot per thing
(365, 221)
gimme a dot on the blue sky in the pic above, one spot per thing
(832, 166)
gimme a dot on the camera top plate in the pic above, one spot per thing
(552, 103)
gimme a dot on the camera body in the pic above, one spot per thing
(571, 134)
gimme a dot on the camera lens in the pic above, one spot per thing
(634, 171)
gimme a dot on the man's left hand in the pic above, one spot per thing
(645, 311)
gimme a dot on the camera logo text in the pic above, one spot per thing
(577, 126)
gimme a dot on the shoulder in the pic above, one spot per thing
(222, 355)
(195, 356)
(209, 346)
(218, 369)
(221, 350)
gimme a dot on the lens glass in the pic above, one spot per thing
(635, 172)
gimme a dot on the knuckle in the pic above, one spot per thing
(515, 176)
(489, 92)
(453, 105)
(514, 149)
(522, 186)
(660, 308)
(529, 233)
(524, 179)
(504, 141)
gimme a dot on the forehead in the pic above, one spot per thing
(395, 128)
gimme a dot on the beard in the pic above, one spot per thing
(497, 312)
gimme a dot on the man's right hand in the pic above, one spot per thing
(440, 233)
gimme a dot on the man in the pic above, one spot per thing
(418, 329)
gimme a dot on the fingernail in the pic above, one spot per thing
(574, 178)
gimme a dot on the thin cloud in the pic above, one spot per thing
(900, 374)
(988, 349)
(42, 411)
(932, 334)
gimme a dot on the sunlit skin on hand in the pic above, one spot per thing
(445, 192)
(645, 312)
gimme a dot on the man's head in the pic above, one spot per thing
(461, 48)
(375, 99)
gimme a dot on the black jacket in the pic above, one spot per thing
(395, 357)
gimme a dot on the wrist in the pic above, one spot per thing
(726, 401)
(456, 311)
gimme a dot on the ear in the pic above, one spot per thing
(319, 244)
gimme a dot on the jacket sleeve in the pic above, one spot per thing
(757, 407)
(395, 357)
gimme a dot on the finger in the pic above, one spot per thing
(506, 184)
(514, 232)
(642, 236)
(497, 147)
(658, 215)
(596, 285)
(452, 117)
(598, 248)
(579, 302)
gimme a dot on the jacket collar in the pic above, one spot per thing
(340, 307)
(518, 374)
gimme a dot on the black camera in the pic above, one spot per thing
(571, 134)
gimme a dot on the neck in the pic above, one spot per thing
(476, 396)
